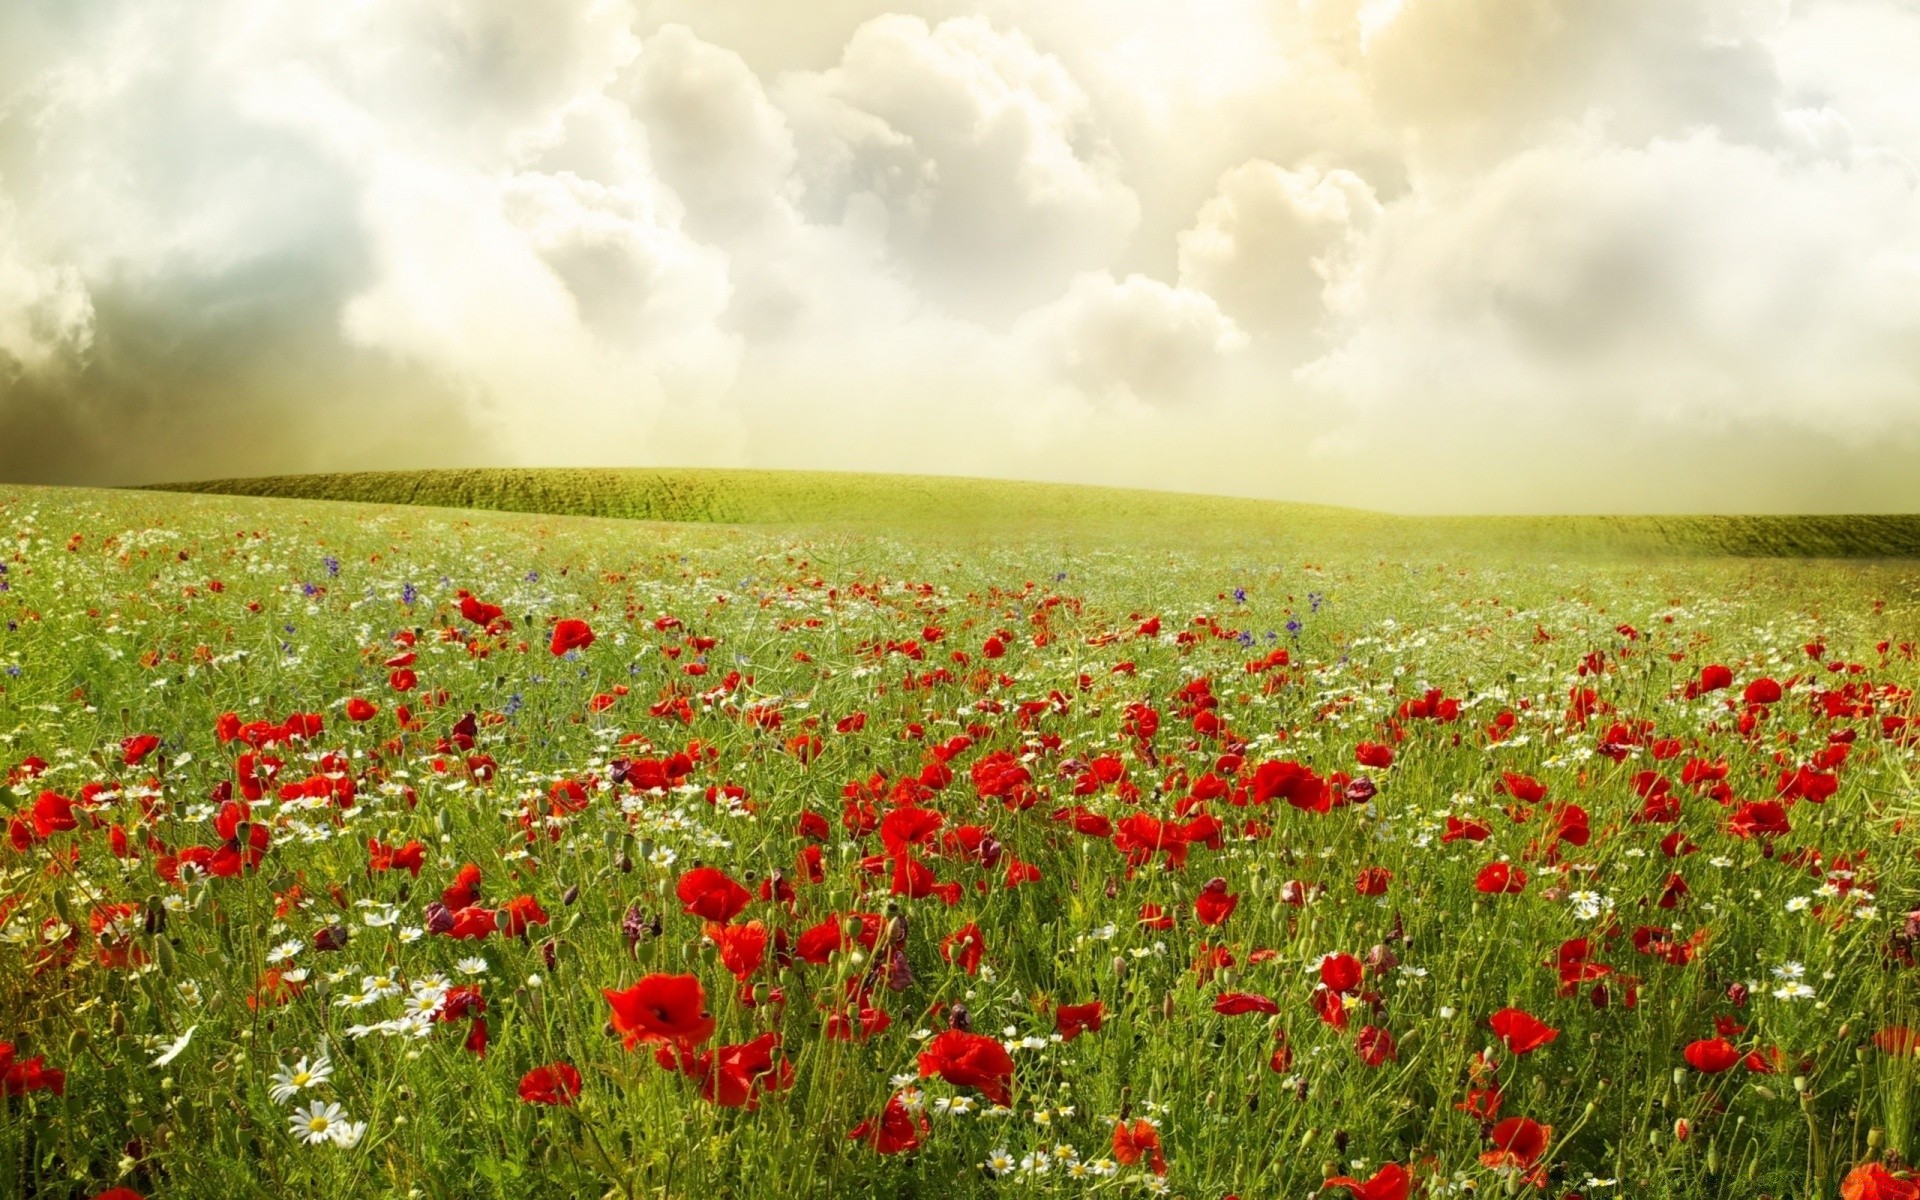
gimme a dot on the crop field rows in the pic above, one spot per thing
(375, 851)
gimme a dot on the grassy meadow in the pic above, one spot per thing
(724, 834)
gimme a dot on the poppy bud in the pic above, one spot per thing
(1119, 966)
(330, 937)
(957, 1017)
(1738, 994)
(570, 895)
(550, 953)
(439, 918)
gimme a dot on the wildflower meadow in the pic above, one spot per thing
(371, 851)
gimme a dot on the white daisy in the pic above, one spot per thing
(318, 1122)
(287, 1081)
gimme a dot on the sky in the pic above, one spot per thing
(1417, 255)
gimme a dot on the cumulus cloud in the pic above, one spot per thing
(1270, 242)
(1133, 340)
(983, 155)
(1448, 254)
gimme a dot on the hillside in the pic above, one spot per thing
(818, 498)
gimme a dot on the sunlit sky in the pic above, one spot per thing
(1423, 255)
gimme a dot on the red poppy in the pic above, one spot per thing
(1518, 1142)
(898, 1130)
(661, 1008)
(1521, 1030)
(1898, 1040)
(1373, 754)
(1215, 903)
(1499, 878)
(1372, 881)
(1375, 1046)
(520, 913)
(137, 747)
(1871, 1181)
(1138, 1139)
(118, 1193)
(478, 611)
(361, 710)
(733, 1076)
(1390, 1182)
(1072, 1020)
(712, 894)
(1711, 1055)
(1235, 1004)
(1524, 788)
(1340, 973)
(1469, 829)
(965, 946)
(742, 947)
(570, 633)
(970, 1060)
(556, 1083)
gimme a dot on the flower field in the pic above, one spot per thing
(371, 851)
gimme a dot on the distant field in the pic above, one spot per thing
(918, 501)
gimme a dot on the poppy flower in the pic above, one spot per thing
(570, 633)
(969, 1059)
(733, 1076)
(118, 1193)
(1522, 1032)
(1391, 1182)
(898, 1129)
(1340, 973)
(1871, 1181)
(1071, 1020)
(137, 747)
(556, 1083)
(1215, 903)
(361, 710)
(1898, 1040)
(712, 894)
(1136, 1140)
(1373, 754)
(1236, 1004)
(1711, 1055)
(1518, 1142)
(1375, 1046)
(661, 1008)
(742, 947)
(1467, 829)
(1499, 878)
(519, 913)
(478, 611)
(965, 946)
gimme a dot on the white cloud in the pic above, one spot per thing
(1270, 241)
(1131, 341)
(987, 160)
(1508, 252)
(46, 315)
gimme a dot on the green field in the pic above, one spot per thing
(929, 503)
(1440, 856)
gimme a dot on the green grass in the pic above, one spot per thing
(927, 502)
(113, 628)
